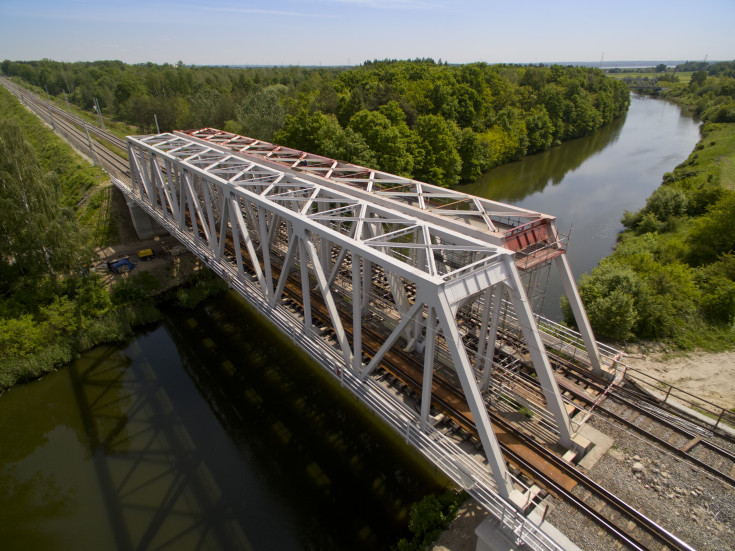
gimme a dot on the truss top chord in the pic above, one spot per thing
(502, 224)
(438, 255)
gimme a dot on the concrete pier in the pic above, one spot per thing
(145, 226)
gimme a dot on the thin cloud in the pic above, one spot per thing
(395, 4)
(261, 11)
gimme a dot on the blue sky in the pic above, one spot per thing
(339, 32)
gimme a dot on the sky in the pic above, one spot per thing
(349, 32)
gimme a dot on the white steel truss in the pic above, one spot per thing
(531, 235)
(294, 237)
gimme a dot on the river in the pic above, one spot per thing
(206, 432)
(210, 432)
(588, 183)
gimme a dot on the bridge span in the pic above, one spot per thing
(387, 282)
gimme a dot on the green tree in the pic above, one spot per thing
(40, 237)
(609, 293)
(438, 162)
(384, 140)
(539, 129)
(261, 114)
(511, 121)
(302, 130)
(697, 79)
(473, 155)
(711, 235)
(348, 106)
(322, 134)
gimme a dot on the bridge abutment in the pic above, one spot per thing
(145, 226)
(494, 535)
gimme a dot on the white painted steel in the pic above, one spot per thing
(484, 219)
(207, 195)
(437, 447)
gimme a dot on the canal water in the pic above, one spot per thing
(587, 184)
(210, 432)
(206, 432)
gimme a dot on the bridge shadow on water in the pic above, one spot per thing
(209, 432)
(155, 481)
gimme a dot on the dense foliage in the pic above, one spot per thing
(421, 119)
(429, 517)
(51, 217)
(672, 275)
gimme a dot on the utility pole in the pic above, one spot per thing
(89, 141)
(155, 118)
(99, 113)
(67, 102)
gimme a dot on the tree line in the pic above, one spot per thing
(431, 121)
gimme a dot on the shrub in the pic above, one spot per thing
(666, 202)
(133, 288)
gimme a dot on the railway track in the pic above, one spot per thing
(541, 466)
(670, 430)
(685, 437)
(75, 131)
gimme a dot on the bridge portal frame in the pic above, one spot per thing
(212, 196)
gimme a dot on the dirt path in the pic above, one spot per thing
(708, 375)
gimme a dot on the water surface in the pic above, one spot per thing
(206, 432)
(588, 183)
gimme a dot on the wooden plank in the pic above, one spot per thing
(689, 445)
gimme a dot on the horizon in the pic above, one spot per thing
(612, 64)
(341, 33)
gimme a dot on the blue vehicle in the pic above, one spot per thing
(121, 266)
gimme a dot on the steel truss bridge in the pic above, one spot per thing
(356, 264)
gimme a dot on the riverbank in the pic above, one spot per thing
(671, 277)
(706, 373)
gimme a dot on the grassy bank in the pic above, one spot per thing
(82, 186)
(55, 211)
(671, 277)
(666, 78)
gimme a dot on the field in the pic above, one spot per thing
(683, 76)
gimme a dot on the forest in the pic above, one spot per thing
(439, 123)
(54, 210)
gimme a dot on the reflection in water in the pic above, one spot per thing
(349, 480)
(515, 181)
(26, 501)
(208, 432)
(588, 183)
